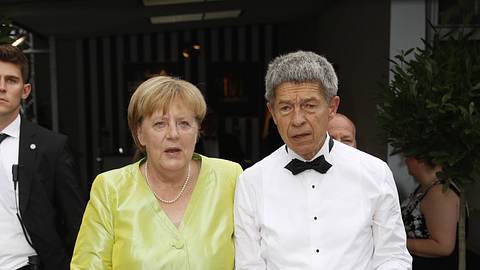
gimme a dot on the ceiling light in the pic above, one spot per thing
(222, 14)
(185, 54)
(172, 2)
(176, 18)
(19, 41)
(196, 16)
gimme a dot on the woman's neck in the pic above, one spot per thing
(167, 178)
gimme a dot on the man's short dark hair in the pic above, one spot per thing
(12, 54)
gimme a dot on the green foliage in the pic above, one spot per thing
(430, 109)
(6, 29)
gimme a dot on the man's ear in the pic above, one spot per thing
(333, 106)
(27, 88)
(272, 112)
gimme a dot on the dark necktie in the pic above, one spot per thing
(319, 164)
(3, 136)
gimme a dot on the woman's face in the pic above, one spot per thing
(169, 138)
(413, 166)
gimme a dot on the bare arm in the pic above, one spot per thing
(441, 210)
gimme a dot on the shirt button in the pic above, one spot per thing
(313, 186)
(317, 250)
(177, 244)
(314, 218)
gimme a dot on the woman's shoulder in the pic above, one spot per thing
(439, 196)
(117, 176)
(439, 191)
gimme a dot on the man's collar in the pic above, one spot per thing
(324, 150)
(13, 129)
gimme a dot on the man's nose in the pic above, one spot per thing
(3, 86)
(298, 116)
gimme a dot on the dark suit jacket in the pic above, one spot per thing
(50, 197)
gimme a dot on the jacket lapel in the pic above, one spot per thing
(26, 160)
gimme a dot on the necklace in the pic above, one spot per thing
(178, 195)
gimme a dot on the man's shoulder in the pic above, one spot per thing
(40, 131)
(349, 153)
(273, 161)
(353, 160)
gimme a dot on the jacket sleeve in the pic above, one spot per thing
(93, 249)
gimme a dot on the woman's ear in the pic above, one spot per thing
(140, 135)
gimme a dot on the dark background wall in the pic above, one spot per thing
(96, 76)
(354, 36)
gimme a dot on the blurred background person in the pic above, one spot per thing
(342, 129)
(173, 209)
(430, 215)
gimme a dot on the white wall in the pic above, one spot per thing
(407, 28)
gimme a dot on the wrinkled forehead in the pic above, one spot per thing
(298, 92)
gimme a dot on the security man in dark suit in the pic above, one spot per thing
(41, 201)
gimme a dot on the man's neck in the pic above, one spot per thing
(7, 120)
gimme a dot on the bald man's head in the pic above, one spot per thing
(342, 129)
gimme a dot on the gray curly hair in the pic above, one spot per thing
(299, 67)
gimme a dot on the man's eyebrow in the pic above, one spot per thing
(308, 99)
(9, 76)
(284, 101)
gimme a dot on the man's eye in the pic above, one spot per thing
(285, 108)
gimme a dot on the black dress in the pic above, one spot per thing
(416, 228)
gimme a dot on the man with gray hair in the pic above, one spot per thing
(315, 203)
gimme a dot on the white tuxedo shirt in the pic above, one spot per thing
(346, 219)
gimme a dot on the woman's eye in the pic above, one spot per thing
(160, 124)
(184, 124)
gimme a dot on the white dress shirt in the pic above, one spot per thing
(14, 248)
(348, 218)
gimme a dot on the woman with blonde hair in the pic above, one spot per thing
(173, 208)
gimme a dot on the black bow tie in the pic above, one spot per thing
(3, 136)
(319, 164)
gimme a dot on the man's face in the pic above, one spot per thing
(342, 130)
(301, 114)
(12, 91)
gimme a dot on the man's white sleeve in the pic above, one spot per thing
(247, 229)
(390, 250)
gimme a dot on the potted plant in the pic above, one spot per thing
(431, 109)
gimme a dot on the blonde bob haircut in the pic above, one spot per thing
(157, 94)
